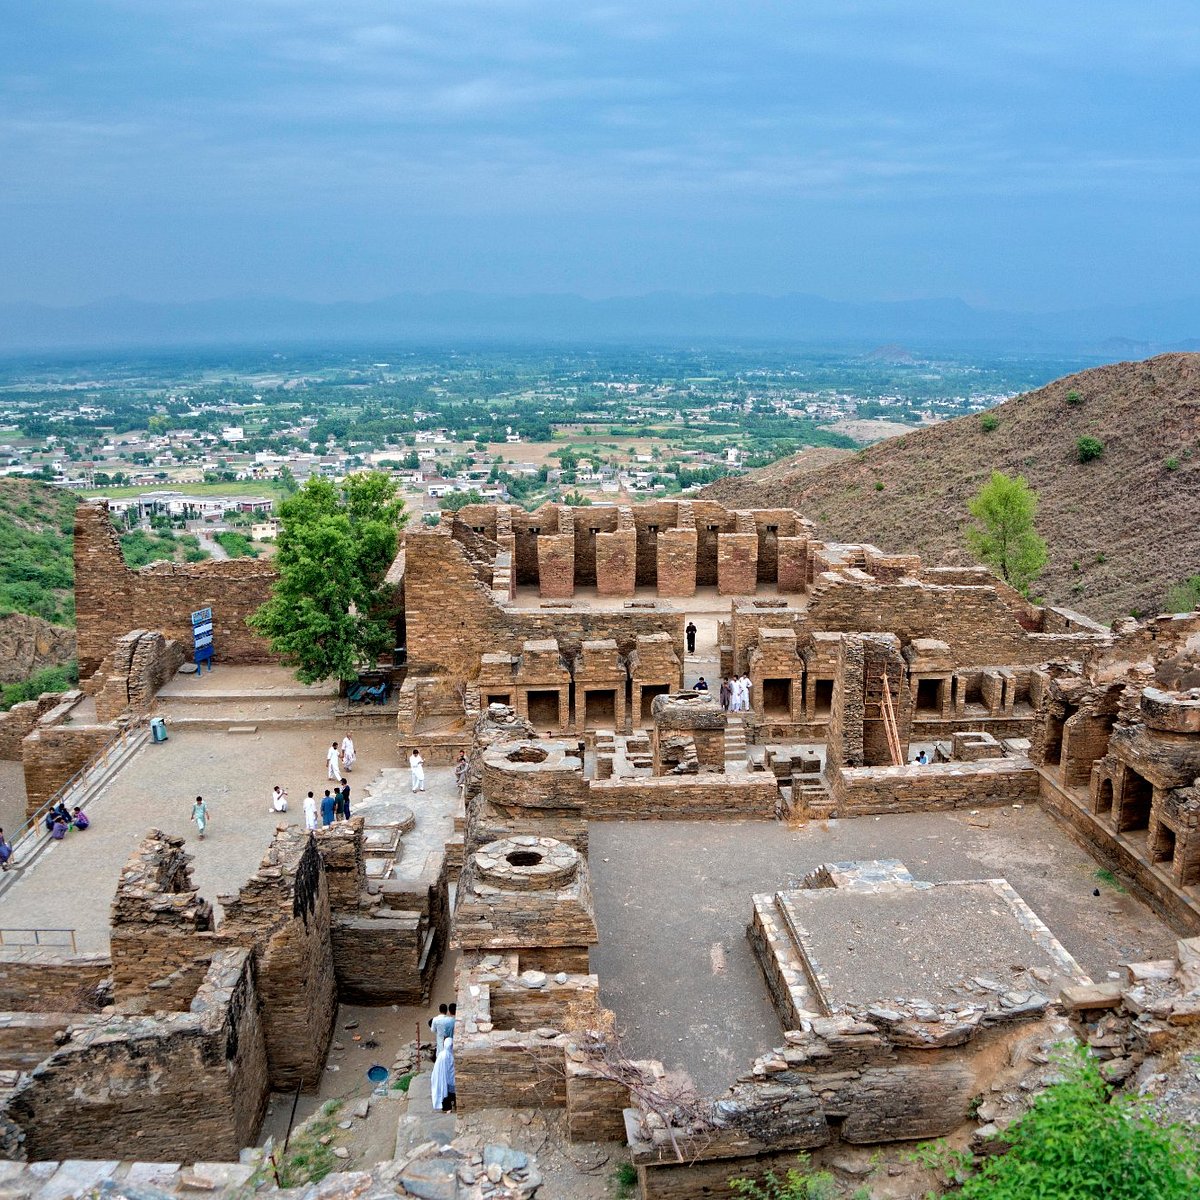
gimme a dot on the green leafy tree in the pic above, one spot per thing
(1005, 538)
(325, 616)
(287, 480)
(1077, 1144)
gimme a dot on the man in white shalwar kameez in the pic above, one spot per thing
(333, 760)
(348, 756)
(442, 1079)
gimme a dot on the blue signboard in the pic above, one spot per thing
(202, 637)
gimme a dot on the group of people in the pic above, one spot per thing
(341, 759)
(735, 694)
(59, 821)
(333, 806)
(442, 1081)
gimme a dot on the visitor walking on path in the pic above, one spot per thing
(416, 764)
(310, 811)
(349, 758)
(333, 760)
(461, 770)
(200, 815)
(691, 637)
(328, 808)
(726, 693)
(442, 1026)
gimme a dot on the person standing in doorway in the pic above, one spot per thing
(349, 758)
(333, 760)
(310, 811)
(746, 685)
(691, 637)
(416, 765)
(200, 815)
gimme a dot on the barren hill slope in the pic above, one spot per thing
(1121, 529)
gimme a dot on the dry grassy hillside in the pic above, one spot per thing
(1121, 529)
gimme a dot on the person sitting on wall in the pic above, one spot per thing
(701, 685)
(79, 819)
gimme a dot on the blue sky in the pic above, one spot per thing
(1023, 155)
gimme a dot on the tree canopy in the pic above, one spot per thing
(1005, 538)
(327, 611)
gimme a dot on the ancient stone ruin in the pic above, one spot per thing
(907, 1003)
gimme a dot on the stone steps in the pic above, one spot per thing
(735, 742)
(28, 849)
(420, 1124)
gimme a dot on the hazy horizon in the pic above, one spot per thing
(1022, 158)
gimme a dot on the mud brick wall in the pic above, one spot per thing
(556, 566)
(283, 914)
(616, 562)
(681, 797)
(792, 563)
(110, 599)
(43, 980)
(938, 787)
(676, 557)
(595, 1103)
(52, 755)
(737, 564)
(192, 1085)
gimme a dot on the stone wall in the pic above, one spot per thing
(53, 754)
(683, 797)
(38, 979)
(190, 1084)
(937, 787)
(110, 599)
(22, 719)
(283, 913)
(131, 674)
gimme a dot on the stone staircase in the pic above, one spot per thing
(86, 787)
(810, 798)
(735, 744)
(420, 1124)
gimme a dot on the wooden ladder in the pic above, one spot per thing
(889, 724)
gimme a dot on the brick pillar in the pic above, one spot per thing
(793, 564)
(677, 562)
(616, 562)
(737, 564)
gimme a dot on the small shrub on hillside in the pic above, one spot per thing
(1077, 1141)
(879, 485)
(1073, 397)
(988, 422)
(625, 1179)
(1172, 463)
(1088, 448)
(1184, 597)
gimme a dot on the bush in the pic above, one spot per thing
(988, 422)
(1172, 463)
(879, 485)
(1073, 397)
(52, 679)
(1088, 448)
(236, 545)
(1184, 597)
(795, 1185)
(1075, 1141)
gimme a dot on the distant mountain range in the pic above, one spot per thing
(924, 325)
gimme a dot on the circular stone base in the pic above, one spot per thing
(524, 863)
